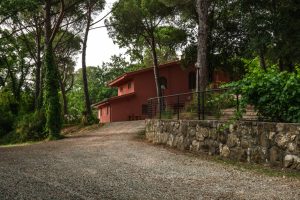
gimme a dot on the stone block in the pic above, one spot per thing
(232, 141)
(275, 156)
(225, 151)
(238, 154)
(213, 134)
(279, 127)
(258, 155)
(179, 142)
(291, 161)
(164, 138)
(186, 143)
(213, 150)
(245, 144)
(183, 129)
(288, 161)
(264, 140)
(191, 131)
(170, 140)
(201, 133)
(281, 140)
(222, 136)
(292, 147)
(272, 135)
(195, 145)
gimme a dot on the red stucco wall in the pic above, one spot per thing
(123, 109)
(126, 88)
(104, 113)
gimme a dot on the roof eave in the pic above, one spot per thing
(115, 83)
(117, 80)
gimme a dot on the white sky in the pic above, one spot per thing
(100, 47)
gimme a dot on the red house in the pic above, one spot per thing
(135, 88)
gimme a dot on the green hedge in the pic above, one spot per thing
(274, 94)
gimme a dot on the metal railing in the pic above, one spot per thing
(209, 104)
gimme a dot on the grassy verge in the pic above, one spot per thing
(260, 169)
(140, 136)
(13, 140)
(241, 166)
(19, 144)
(79, 129)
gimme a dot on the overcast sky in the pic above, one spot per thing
(100, 47)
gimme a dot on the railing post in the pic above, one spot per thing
(155, 108)
(198, 105)
(178, 107)
(150, 108)
(203, 106)
(160, 106)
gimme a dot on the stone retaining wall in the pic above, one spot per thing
(277, 144)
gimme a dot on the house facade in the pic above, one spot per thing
(135, 88)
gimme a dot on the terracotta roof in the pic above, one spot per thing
(107, 101)
(128, 75)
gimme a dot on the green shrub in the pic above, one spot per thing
(214, 103)
(89, 120)
(6, 122)
(6, 116)
(167, 114)
(30, 127)
(274, 94)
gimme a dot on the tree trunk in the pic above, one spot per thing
(262, 60)
(281, 65)
(156, 73)
(53, 107)
(38, 87)
(155, 67)
(64, 97)
(84, 75)
(202, 71)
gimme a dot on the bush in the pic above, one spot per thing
(274, 94)
(6, 122)
(214, 103)
(89, 120)
(6, 116)
(30, 127)
(167, 114)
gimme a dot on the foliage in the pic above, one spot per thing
(30, 127)
(144, 27)
(6, 117)
(275, 94)
(23, 125)
(214, 102)
(167, 114)
(273, 28)
(52, 104)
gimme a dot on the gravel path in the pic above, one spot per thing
(109, 163)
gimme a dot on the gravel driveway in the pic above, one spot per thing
(109, 163)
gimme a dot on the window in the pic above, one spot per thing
(163, 82)
(107, 110)
(145, 109)
(121, 89)
(129, 85)
(192, 80)
(100, 112)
